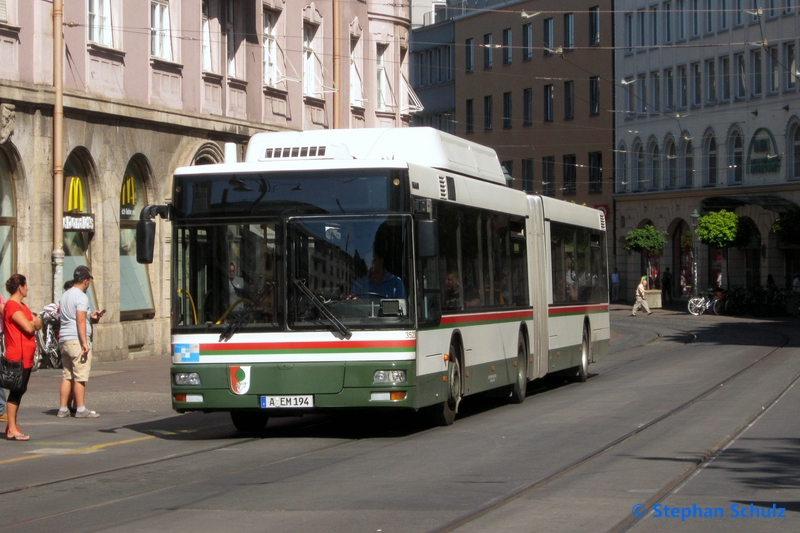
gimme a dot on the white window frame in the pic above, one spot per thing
(381, 81)
(312, 82)
(272, 49)
(741, 75)
(774, 79)
(205, 28)
(99, 27)
(160, 31)
(790, 69)
(3, 11)
(356, 68)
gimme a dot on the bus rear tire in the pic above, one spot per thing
(582, 371)
(249, 421)
(520, 387)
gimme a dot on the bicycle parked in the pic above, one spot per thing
(711, 301)
(47, 351)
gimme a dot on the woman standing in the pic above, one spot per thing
(20, 325)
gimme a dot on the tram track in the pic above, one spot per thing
(491, 506)
(629, 521)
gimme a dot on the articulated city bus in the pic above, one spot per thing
(373, 268)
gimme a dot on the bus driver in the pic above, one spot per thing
(378, 280)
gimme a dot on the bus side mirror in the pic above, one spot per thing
(427, 238)
(145, 241)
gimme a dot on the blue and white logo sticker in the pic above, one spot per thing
(185, 353)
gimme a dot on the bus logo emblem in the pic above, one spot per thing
(240, 379)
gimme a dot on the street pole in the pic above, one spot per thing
(695, 216)
(58, 149)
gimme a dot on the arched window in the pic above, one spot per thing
(654, 165)
(688, 164)
(794, 163)
(710, 170)
(7, 219)
(735, 159)
(78, 218)
(135, 298)
(622, 168)
(672, 164)
(641, 175)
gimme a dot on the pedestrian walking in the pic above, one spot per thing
(640, 301)
(3, 415)
(666, 287)
(19, 325)
(75, 340)
(615, 283)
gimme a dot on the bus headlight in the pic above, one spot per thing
(187, 378)
(389, 376)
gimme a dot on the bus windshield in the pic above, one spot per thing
(274, 274)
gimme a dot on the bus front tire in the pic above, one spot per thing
(249, 421)
(444, 414)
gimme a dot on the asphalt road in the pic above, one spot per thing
(688, 416)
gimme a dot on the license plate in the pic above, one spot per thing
(286, 402)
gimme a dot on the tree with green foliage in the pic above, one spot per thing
(647, 240)
(787, 226)
(720, 230)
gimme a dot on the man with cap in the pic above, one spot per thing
(75, 341)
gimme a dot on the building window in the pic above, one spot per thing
(356, 68)
(548, 103)
(570, 175)
(710, 169)
(654, 166)
(469, 56)
(549, 175)
(527, 175)
(569, 30)
(738, 13)
(381, 79)
(527, 41)
(208, 58)
(595, 172)
(680, 12)
(641, 174)
(629, 33)
(654, 25)
(788, 6)
(488, 48)
(672, 164)
(736, 166)
(506, 110)
(160, 41)
(722, 14)
(669, 89)
(630, 97)
(99, 22)
(470, 116)
(594, 26)
(655, 92)
(774, 69)
(697, 85)
(688, 164)
(622, 169)
(641, 28)
(507, 46)
(711, 81)
(547, 36)
(641, 84)
(311, 63)
(667, 10)
(135, 298)
(594, 95)
(741, 76)
(695, 17)
(790, 62)
(755, 63)
(271, 65)
(527, 107)
(77, 249)
(708, 16)
(795, 161)
(231, 38)
(725, 78)
(569, 99)
(487, 112)
(683, 88)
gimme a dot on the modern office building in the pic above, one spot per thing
(708, 119)
(151, 85)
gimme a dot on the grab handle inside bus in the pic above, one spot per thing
(427, 238)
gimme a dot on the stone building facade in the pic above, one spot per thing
(708, 119)
(152, 85)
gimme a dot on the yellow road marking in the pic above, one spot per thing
(88, 449)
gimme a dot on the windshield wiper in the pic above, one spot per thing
(243, 317)
(337, 324)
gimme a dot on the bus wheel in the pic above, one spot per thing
(520, 386)
(582, 371)
(249, 421)
(444, 414)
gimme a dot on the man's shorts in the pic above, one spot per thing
(72, 365)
